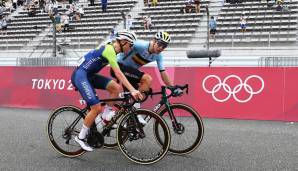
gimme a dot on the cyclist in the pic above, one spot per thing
(86, 79)
(144, 52)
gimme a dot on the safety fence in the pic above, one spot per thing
(260, 93)
(42, 62)
(278, 61)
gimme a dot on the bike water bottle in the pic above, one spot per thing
(99, 123)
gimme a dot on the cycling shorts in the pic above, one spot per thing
(133, 75)
(86, 84)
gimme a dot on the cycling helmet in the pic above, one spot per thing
(126, 35)
(163, 36)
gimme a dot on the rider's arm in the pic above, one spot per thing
(110, 54)
(163, 73)
(166, 79)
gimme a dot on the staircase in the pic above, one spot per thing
(200, 38)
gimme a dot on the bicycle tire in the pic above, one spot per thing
(196, 137)
(128, 146)
(64, 148)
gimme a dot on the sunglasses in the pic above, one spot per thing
(130, 45)
(162, 44)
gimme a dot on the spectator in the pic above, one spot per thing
(58, 22)
(189, 4)
(270, 3)
(279, 2)
(14, 4)
(147, 3)
(91, 2)
(197, 6)
(112, 34)
(104, 5)
(81, 11)
(147, 23)
(20, 2)
(154, 3)
(129, 22)
(31, 11)
(4, 24)
(124, 19)
(65, 22)
(212, 28)
(279, 5)
(41, 6)
(55, 7)
(243, 23)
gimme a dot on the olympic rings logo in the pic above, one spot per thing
(232, 91)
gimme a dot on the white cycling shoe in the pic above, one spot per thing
(83, 144)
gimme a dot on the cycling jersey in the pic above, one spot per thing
(140, 56)
(85, 79)
(98, 58)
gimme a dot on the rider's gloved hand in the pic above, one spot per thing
(177, 92)
(136, 94)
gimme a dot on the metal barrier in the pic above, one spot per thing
(42, 62)
(278, 61)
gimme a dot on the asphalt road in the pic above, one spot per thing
(227, 145)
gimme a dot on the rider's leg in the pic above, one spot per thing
(145, 82)
(82, 82)
(114, 89)
(89, 119)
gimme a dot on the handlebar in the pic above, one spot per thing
(129, 100)
(163, 91)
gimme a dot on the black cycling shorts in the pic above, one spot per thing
(133, 75)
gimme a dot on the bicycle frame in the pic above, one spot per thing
(122, 110)
(165, 102)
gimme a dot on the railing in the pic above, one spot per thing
(42, 62)
(265, 41)
(278, 61)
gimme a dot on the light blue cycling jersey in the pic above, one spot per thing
(140, 56)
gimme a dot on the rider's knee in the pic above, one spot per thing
(146, 79)
(97, 108)
(114, 87)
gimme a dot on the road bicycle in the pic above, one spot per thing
(135, 140)
(187, 128)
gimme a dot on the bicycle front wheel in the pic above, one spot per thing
(188, 134)
(137, 141)
(63, 125)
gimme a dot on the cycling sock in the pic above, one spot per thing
(84, 131)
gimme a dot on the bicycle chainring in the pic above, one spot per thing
(95, 139)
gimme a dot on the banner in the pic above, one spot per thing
(219, 92)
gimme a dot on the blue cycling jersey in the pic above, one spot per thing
(98, 58)
(140, 56)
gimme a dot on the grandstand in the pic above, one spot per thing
(269, 33)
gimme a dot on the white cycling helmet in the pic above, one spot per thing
(126, 35)
(163, 36)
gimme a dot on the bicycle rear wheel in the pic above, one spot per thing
(137, 142)
(63, 125)
(191, 129)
